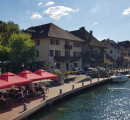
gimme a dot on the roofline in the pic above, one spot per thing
(67, 39)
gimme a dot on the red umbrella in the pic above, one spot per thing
(30, 76)
(4, 84)
(45, 74)
(14, 79)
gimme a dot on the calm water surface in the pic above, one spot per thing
(107, 102)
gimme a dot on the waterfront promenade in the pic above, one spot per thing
(16, 112)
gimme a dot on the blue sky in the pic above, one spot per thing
(106, 18)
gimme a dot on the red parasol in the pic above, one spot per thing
(4, 84)
(30, 76)
(45, 74)
(14, 79)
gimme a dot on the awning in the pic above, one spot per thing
(29, 75)
(13, 79)
(4, 84)
(45, 75)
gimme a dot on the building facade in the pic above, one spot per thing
(113, 49)
(56, 47)
(93, 50)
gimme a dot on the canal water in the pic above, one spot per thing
(107, 102)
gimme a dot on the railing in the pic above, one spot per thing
(69, 47)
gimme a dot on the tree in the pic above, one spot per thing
(6, 30)
(4, 53)
(22, 49)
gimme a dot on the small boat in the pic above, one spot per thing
(119, 78)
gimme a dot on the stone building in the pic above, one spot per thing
(93, 50)
(58, 48)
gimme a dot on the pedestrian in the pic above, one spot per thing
(47, 88)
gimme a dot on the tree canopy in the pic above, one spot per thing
(21, 48)
(4, 53)
(6, 30)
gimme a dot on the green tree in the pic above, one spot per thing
(4, 53)
(6, 30)
(22, 49)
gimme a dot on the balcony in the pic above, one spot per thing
(66, 58)
(68, 47)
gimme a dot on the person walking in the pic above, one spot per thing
(47, 88)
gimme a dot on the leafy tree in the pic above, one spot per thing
(6, 30)
(4, 53)
(21, 49)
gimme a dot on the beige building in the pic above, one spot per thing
(93, 50)
(58, 48)
(113, 49)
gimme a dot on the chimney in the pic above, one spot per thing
(91, 32)
(108, 40)
(82, 28)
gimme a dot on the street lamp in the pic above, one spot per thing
(0, 70)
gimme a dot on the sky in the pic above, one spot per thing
(106, 18)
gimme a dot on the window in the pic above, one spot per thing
(110, 51)
(67, 53)
(67, 66)
(74, 54)
(37, 53)
(37, 42)
(77, 54)
(51, 41)
(57, 42)
(57, 52)
(57, 65)
(66, 42)
(54, 42)
(77, 44)
(51, 52)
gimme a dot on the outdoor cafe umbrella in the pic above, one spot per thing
(4, 84)
(30, 76)
(15, 80)
(45, 74)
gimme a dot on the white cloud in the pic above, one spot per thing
(126, 11)
(40, 3)
(96, 23)
(36, 15)
(49, 3)
(58, 11)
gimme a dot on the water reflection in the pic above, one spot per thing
(107, 102)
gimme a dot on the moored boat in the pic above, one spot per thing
(119, 78)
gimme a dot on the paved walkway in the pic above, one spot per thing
(17, 108)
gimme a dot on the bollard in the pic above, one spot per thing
(25, 106)
(90, 80)
(108, 76)
(44, 97)
(60, 91)
(98, 76)
(72, 87)
(82, 83)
